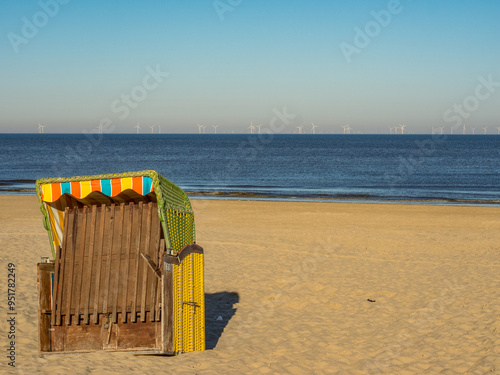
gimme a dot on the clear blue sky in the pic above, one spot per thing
(236, 66)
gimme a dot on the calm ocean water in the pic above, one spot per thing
(454, 169)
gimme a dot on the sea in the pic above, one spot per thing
(430, 169)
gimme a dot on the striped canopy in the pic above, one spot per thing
(56, 194)
(52, 191)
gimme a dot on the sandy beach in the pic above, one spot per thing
(306, 288)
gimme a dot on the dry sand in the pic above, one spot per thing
(291, 282)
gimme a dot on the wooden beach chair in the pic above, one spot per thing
(126, 273)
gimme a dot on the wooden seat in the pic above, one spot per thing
(108, 283)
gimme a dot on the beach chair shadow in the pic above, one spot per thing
(219, 309)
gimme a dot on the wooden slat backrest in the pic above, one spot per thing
(127, 246)
(68, 257)
(110, 219)
(88, 270)
(99, 269)
(100, 242)
(137, 257)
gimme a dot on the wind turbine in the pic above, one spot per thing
(345, 127)
(199, 128)
(442, 128)
(451, 130)
(402, 128)
(300, 128)
(485, 129)
(159, 129)
(204, 129)
(99, 128)
(215, 128)
(259, 126)
(251, 127)
(390, 129)
(463, 131)
(473, 130)
(40, 128)
(137, 127)
(498, 128)
(314, 128)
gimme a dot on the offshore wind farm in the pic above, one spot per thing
(326, 129)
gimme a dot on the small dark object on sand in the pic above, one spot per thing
(371, 300)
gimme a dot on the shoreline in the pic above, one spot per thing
(323, 198)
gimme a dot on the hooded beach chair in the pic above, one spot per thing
(126, 273)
